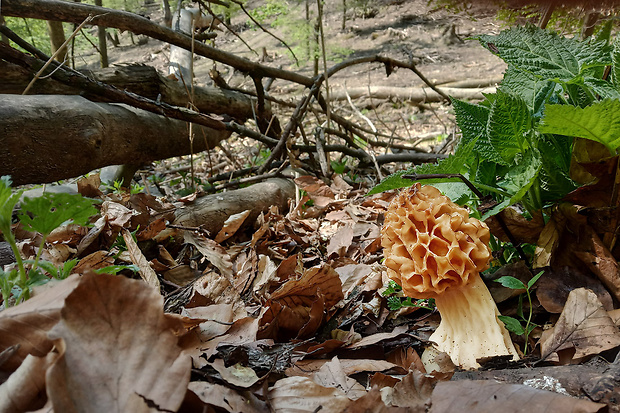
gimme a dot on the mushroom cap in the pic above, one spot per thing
(431, 244)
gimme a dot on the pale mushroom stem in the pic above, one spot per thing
(469, 327)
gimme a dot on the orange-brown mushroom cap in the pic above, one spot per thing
(431, 244)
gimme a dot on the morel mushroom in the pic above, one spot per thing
(434, 249)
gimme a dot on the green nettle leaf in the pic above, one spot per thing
(528, 87)
(48, 212)
(472, 119)
(8, 200)
(453, 164)
(602, 88)
(545, 54)
(615, 67)
(509, 121)
(555, 181)
(599, 122)
(512, 324)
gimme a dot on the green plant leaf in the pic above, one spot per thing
(472, 119)
(512, 324)
(546, 54)
(8, 200)
(115, 269)
(615, 67)
(511, 282)
(534, 91)
(599, 122)
(509, 121)
(48, 212)
(535, 278)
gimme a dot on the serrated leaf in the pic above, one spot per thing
(554, 177)
(453, 164)
(599, 122)
(509, 121)
(615, 66)
(545, 54)
(512, 324)
(602, 88)
(46, 213)
(472, 119)
(528, 87)
(511, 282)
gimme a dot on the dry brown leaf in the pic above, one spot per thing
(377, 338)
(25, 388)
(118, 350)
(331, 374)
(237, 375)
(226, 398)
(92, 235)
(146, 272)
(546, 244)
(212, 251)
(117, 215)
(352, 275)
(301, 395)
(522, 229)
(601, 262)
(152, 229)
(88, 186)
(219, 318)
(303, 289)
(414, 390)
(372, 402)
(553, 287)
(242, 331)
(216, 289)
(321, 194)
(488, 396)
(340, 241)
(406, 358)
(231, 225)
(349, 366)
(584, 326)
(27, 324)
(95, 261)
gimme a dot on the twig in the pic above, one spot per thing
(56, 53)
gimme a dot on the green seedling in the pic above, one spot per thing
(522, 326)
(43, 215)
(396, 300)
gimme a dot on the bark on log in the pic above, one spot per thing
(418, 94)
(141, 80)
(48, 138)
(212, 211)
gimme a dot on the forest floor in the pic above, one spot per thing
(288, 309)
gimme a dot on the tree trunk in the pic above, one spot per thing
(103, 44)
(210, 212)
(167, 13)
(142, 80)
(48, 138)
(57, 38)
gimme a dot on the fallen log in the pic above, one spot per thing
(210, 212)
(46, 138)
(139, 79)
(416, 94)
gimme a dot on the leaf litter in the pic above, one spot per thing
(283, 314)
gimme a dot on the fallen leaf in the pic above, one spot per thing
(226, 398)
(27, 324)
(301, 395)
(118, 350)
(231, 225)
(553, 287)
(488, 396)
(95, 261)
(88, 186)
(601, 262)
(331, 374)
(117, 215)
(146, 272)
(237, 375)
(152, 229)
(372, 402)
(212, 251)
(340, 241)
(584, 326)
(25, 388)
(349, 366)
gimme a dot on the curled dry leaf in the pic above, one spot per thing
(25, 388)
(601, 262)
(237, 375)
(215, 253)
(488, 396)
(584, 326)
(309, 367)
(118, 350)
(301, 395)
(95, 261)
(331, 374)
(231, 226)
(116, 214)
(146, 272)
(226, 398)
(299, 304)
(27, 324)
